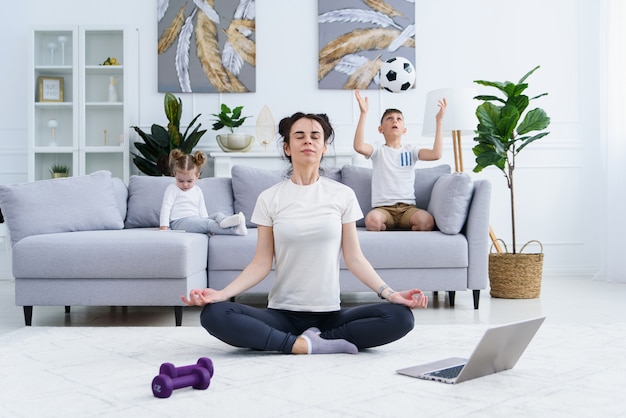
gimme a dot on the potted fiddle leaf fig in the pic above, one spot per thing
(505, 128)
(156, 146)
(232, 119)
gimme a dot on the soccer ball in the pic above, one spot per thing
(397, 75)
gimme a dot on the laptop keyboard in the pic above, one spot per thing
(449, 373)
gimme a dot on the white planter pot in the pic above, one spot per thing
(235, 142)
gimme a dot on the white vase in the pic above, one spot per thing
(235, 142)
(112, 90)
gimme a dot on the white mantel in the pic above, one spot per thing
(271, 160)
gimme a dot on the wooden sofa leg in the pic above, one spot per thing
(28, 315)
(451, 295)
(476, 294)
(178, 314)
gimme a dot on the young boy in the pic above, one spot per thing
(393, 176)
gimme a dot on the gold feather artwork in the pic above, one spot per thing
(355, 40)
(206, 46)
(265, 127)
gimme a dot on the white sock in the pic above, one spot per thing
(232, 220)
(241, 227)
(318, 345)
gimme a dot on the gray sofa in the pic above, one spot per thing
(92, 240)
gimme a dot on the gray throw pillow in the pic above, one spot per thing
(332, 173)
(360, 180)
(248, 183)
(145, 195)
(83, 203)
(218, 194)
(450, 201)
(121, 195)
(425, 179)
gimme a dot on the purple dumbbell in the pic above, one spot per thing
(163, 385)
(173, 371)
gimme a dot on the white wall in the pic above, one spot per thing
(456, 42)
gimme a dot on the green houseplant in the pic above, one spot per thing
(59, 170)
(502, 132)
(232, 119)
(505, 128)
(229, 118)
(156, 146)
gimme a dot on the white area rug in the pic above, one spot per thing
(567, 371)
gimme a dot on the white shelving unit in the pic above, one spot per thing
(81, 126)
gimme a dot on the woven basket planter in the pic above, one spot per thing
(516, 276)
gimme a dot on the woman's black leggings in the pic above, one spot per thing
(276, 330)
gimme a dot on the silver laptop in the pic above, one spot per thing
(499, 349)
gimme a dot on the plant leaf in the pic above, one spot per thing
(530, 140)
(146, 166)
(190, 143)
(519, 102)
(521, 80)
(237, 112)
(509, 116)
(486, 156)
(193, 121)
(489, 98)
(535, 120)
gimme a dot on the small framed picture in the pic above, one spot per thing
(50, 89)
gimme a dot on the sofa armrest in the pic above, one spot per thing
(477, 234)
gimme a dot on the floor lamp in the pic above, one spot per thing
(460, 119)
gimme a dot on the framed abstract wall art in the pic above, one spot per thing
(357, 36)
(206, 46)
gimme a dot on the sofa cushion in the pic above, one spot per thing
(248, 183)
(388, 250)
(360, 180)
(145, 195)
(413, 250)
(68, 204)
(129, 253)
(450, 200)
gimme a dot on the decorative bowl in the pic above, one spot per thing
(235, 142)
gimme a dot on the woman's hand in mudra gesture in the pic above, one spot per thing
(414, 298)
(201, 297)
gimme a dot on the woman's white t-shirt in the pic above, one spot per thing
(307, 226)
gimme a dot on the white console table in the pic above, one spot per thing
(271, 160)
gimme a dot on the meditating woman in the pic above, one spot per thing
(305, 224)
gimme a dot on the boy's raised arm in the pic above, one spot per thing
(436, 152)
(360, 145)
